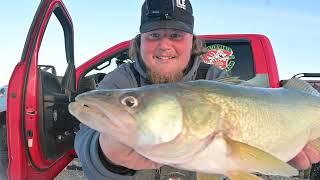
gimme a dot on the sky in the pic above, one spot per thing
(292, 26)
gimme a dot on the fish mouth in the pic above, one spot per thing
(93, 116)
(99, 117)
(87, 108)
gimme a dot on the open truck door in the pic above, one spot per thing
(40, 128)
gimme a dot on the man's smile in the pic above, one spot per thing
(164, 58)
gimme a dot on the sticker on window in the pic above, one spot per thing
(221, 56)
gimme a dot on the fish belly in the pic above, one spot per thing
(214, 159)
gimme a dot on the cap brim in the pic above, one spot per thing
(167, 24)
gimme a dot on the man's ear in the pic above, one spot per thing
(198, 46)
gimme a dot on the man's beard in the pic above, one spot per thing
(157, 78)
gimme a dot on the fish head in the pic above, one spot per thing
(137, 117)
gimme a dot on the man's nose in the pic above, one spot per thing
(164, 43)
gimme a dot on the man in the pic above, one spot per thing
(165, 51)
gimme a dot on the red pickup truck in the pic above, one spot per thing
(40, 130)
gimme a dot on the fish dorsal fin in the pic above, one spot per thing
(300, 85)
(230, 80)
(234, 81)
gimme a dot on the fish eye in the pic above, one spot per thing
(129, 101)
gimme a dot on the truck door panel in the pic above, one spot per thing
(56, 124)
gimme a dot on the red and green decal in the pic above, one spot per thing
(220, 56)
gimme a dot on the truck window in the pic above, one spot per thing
(107, 65)
(234, 56)
(52, 50)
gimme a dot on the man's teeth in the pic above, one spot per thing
(165, 58)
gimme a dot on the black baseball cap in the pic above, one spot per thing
(166, 14)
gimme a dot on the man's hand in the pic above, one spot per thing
(308, 156)
(123, 155)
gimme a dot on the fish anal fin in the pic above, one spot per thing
(240, 175)
(252, 159)
(205, 176)
(316, 144)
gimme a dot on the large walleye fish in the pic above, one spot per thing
(209, 126)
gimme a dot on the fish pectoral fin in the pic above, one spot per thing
(252, 159)
(241, 175)
(205, 176)
(316, 144)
